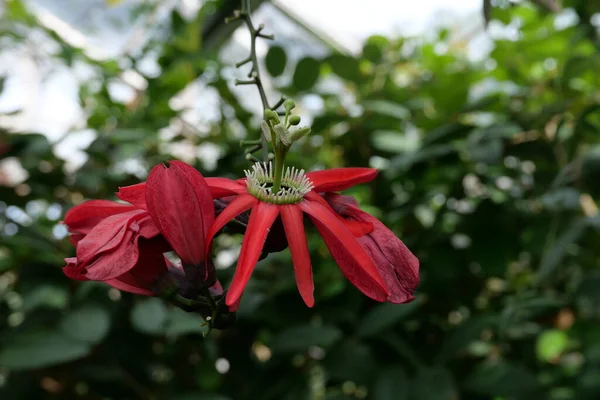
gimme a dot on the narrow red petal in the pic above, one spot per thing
(134, 194)
(356, 264)
(84, 217)
(237, 206)
(223, 187)
(178, 198)
(338, 179)
(261, 218)
(357, 228)
(291, 215)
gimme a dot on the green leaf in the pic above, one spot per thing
(502, 379)
(200, 396)
(556, 253)
(45, 296)
(392, 384)
(386, 108)
(306, 73)
(300, 338)
(89, 324)
(551, 344)
(150, 316)
(351, 362)
(39, 349)
(433, 384)
(183, 323)
(374, 48)
(345, 67)
(384, 316)
(394, 142)
(120, 136)
(276, 60)
(463, 335)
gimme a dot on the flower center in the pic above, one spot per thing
(294, 184)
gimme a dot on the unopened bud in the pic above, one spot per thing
(300, 133)
(283, 134)
(265, 130)
(294, 120)
(289, 105)
(271, 115)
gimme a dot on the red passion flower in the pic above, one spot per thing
(123, 245)
(299, 195)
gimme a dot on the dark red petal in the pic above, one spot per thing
(240, 204)
(151, 261)
(223, 187)
(396, 264)
(356, 264)
(82, 218)
(261, 218)
(357, 228)
(146, 227)
(180, 204)
(134, 194)
(73, 269)
(338, 179)
(291, 215)
(128, 283)
(74, 238)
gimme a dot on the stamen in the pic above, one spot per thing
(294, 184)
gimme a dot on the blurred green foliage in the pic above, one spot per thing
(489, 173)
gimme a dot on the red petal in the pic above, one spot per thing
(73, 269)
(357, 228)
(151, 262)
(237, 206)
(111, 264)
(74, 238)
(84, 217)
(105, 236)
(180, 204)
(128, 283)
(261, 218)
(396, 264)
(291, 216)
(347, 252)
(338, 179)
(223, 187)
(134, 194)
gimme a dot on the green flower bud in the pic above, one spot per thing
(271, 115)
(294, 120)
(300, 133)
(289, 105)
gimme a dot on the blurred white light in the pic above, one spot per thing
(222, 365)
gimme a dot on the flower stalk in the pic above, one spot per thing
(254, 74)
